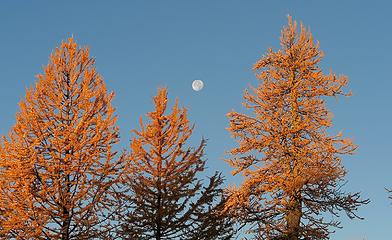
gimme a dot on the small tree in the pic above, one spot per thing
(57, 163)
(292, 167)
(165, 199)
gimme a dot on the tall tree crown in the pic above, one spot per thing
(290, 164)
(58, 156)
(166, 199)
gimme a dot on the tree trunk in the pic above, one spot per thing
(158, 223)
(65, 226)
(293, 218)
(66, 218)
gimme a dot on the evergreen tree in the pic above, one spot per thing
(292, 168)
(57, 163)
(164, 196)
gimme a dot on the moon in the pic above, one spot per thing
(197, 85)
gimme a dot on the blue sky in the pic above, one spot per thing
(141, 45)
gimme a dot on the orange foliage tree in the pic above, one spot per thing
(164, 196)
(292, 168)
(57, 164)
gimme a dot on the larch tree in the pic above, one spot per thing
(57, 164)
(164, 196)
(292, 168)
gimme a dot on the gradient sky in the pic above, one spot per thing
(141, 45)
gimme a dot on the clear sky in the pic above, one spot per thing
(141, 45)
